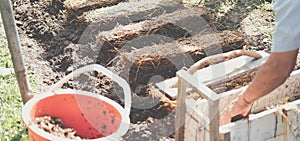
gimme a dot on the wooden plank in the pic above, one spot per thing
(191, 127)
(200, 119)
(213, 102)
(196, 123)
(214, 117)
(218, 58)
(240, 131)
(267, 125)
(262, 128)
(294, 126)
(198, 111)
(128, 12)
(203, 91)
(180, 111)
(202, 134)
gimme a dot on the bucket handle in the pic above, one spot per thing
(108, 73)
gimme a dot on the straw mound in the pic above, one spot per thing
(140, 65)
(234, 82)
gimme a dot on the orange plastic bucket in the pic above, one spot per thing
(92, 116)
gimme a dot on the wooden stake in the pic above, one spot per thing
(14, 48)
(180, 111)
(221, 58)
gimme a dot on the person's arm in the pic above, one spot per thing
(272, 74)
(275, 71)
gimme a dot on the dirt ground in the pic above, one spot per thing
(50, 34)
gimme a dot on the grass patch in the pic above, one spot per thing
(12, 128)
(221, 7)
(11, 124)
(261, 21)
(5, 60)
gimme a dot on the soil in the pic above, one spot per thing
(50, 36)
(55, 126)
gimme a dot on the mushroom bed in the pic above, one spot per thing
(145, 44)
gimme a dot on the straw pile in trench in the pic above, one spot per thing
(140, 65)
(233, 82)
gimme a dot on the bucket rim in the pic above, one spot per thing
(26, 109)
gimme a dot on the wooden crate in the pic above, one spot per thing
(262, 124)
(197, 119)
(188, 120)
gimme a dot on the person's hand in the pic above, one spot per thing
(238, 106)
